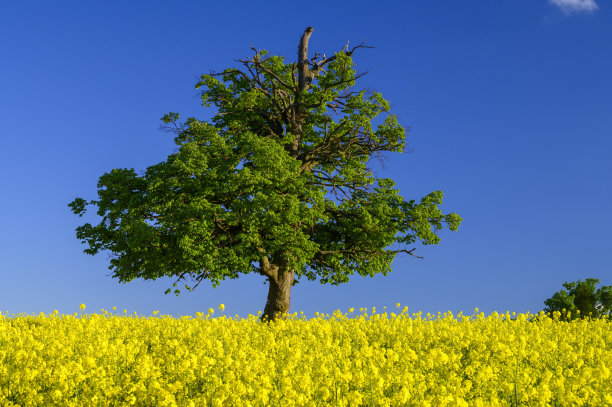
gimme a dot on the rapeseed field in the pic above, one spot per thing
(343, 359)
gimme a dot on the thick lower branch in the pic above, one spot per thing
(267, 269)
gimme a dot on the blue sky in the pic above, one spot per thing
(508, 102)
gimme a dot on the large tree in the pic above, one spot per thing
(278, 182)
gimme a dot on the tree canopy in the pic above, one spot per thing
(581, 299)
(279, 182)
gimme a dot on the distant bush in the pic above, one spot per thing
(581, 299)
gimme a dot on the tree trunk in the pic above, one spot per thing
(305, 75)
(279, 295)
(280, 276)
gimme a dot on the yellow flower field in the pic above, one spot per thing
(369, 359)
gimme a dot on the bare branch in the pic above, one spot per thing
(305, 75)
(318, 66)
(199, 278)
(360, 251)
(181, 277)
(274, 75)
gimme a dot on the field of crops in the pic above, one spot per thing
(351, 359)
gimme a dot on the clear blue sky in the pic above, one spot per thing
(509, 104)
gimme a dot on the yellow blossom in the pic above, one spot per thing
(338, 359)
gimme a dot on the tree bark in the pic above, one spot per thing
(279, 295)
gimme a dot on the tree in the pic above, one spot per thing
(278, 183)
(582, 299)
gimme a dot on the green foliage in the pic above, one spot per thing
(280, 175)
(581, 299)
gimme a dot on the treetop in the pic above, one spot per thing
(278, 179)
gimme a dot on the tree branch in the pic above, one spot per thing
(359, 251)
